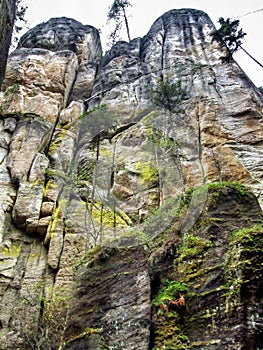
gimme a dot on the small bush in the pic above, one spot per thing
(170, 291)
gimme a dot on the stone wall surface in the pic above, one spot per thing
(112, 204)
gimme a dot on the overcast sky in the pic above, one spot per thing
(145, 12)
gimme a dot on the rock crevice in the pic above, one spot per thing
(110, 200)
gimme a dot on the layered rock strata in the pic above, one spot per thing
(89, 160)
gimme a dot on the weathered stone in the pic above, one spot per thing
(65, 34)
(9, 124)
(55, 246)
(113, 168)
(46, 208)
(213, 275)
(38, 169)
(30, 138)
(121, 296)
(84, 82)
(42, 225)
(38, 81)
(70, 116)
(27, 205)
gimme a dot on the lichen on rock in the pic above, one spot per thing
(115, 203)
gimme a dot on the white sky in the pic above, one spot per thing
(145, 12)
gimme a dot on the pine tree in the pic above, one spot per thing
(232, 37)
(117, 12)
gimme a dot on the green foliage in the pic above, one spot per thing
(192, 246)
(90, 111)
(215, 188)
(169, 336)
(47, 332)
(170, 291)
(13, 89)
(148, 172)
(105, 216)
(20, 21)
(234, 185)
(245, 235)
(168, 95)
(243, 263)
(229, 35)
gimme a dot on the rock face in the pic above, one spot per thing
(213, 267)
(122, 182)
(117, 318)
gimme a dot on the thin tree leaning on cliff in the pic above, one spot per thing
(117, 12)
(229, 35)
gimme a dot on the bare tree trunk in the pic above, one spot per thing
(160, 178)
(93, 193)
(180, 169)
(126, 24)
(112, 182)
(251, 56)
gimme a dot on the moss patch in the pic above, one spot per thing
(170, 291)
(149, 173)
(107, 217)
(12, 250)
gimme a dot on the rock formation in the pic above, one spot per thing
(113, 202)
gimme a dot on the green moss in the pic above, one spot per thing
(215, 188)
(192, 246)
(13, 250)
(59, 137)
(170, 291)
(13, 89)
(106, 152)
(49, 186)
(148, 172)
(56, 216)
(189, 268)
(105, 216)
(245, 234)
(169, 336)
(102, 107)
(243, 263)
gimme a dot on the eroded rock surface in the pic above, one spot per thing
(89, 160)
(213, 260)
(115, 297)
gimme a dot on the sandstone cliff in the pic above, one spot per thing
(112, 204)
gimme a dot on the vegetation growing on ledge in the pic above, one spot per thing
(148, 172)
(217, 186)
(243, 262)
(192, 246)
(85, 334)
(170, 336)
(107, 217)
(13, 250)
(247, 234)
(170, 291)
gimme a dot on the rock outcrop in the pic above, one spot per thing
(128, 179)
